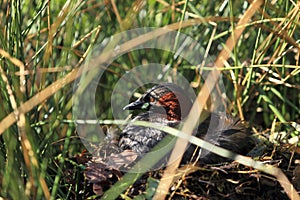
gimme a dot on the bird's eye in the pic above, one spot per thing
(151, 99)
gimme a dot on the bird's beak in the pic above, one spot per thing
(136, 105)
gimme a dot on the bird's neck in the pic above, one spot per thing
(174, 114)
(171, 105)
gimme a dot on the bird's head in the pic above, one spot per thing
(166, 98)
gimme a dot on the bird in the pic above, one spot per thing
(168, 104)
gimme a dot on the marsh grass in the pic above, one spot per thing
(43, 44)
